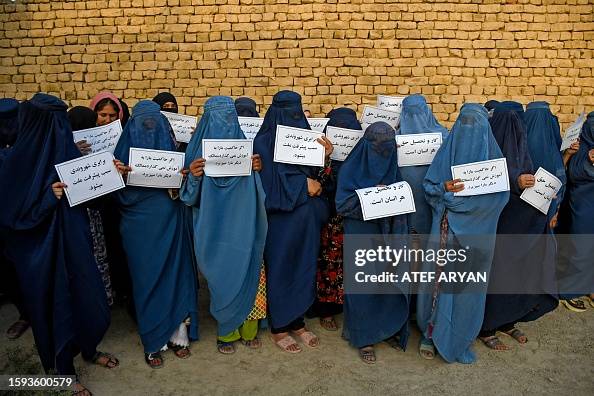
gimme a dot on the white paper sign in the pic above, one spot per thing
(417, 149)
(298, 146)
(183, 125)
(250, 126)
(102, 137)
(545, 189)
(227, 157)
(343, 141)
(318, 124)
(155, 168)
(572, 133)
(392, 103)
(89, 177)
(386, 201)
(484, 177)
(374, 114)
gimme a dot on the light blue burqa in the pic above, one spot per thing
(229, 222)
(416, 117)
(455, 320)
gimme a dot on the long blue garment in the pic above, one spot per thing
(229, 222)
(50, 241)
(342, 117)
(518, 217)
(157, 238)
(544, 143)
(294, 218)
(371, 318)
(416, 117)
(576, 218)
(456, 319)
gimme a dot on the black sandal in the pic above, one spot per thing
(152, 358)
(182, 352)
(111, 362)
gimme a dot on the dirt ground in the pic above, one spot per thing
(558, 360)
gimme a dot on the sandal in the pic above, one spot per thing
(367, 354)
(328, 324)
(226, 348)
(82, 392)
(285, 342)
(252, 344)
(590, 299)
(517, 335)
(308, 338)
(17, 329)
(110, 363)
(154, 360)
(394, 342)
(182, 352)
(574, 305)
(494, 343)
(427, 349)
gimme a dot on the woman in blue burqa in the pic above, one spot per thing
(416, 117)
(9, 111)
(375, 317)
(157, 238)
(576, 250)
(51, 242)
(544, 143)
(229, 231)
(451, 321)
(296, 213)
(515, 257)
(330, 293)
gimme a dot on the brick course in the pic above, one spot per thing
(333, 52)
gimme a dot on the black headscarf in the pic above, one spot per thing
(163, 98)
(81, 117)
(246, 107)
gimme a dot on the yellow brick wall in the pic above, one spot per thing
(333, 52)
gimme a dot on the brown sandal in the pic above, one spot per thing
(182, 352)
(329, 323)
(110, 363)
(285, 342)
(17, 329)
(154, 360)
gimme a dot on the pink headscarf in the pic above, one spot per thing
(106, 95)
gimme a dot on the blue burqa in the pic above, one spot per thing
(456, 319)
(518, 217)
(342, 117)
(544, 143)
(229, 222)
(371, 318)
(576, 217)
(294, 218)
(157, 238)
(49, 241)
(416, 117)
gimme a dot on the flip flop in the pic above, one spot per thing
(427, 350)
(285, 342)
(17, 329)
(307, 337)
(221, 345)
(517, 334)
(493, 342)
(252, 344)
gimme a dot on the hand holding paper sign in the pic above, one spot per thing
(591, 155)
(454, 186)
(526, 181)
(328, 147)
(197, 167)
(543, 191)
(58, 189)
